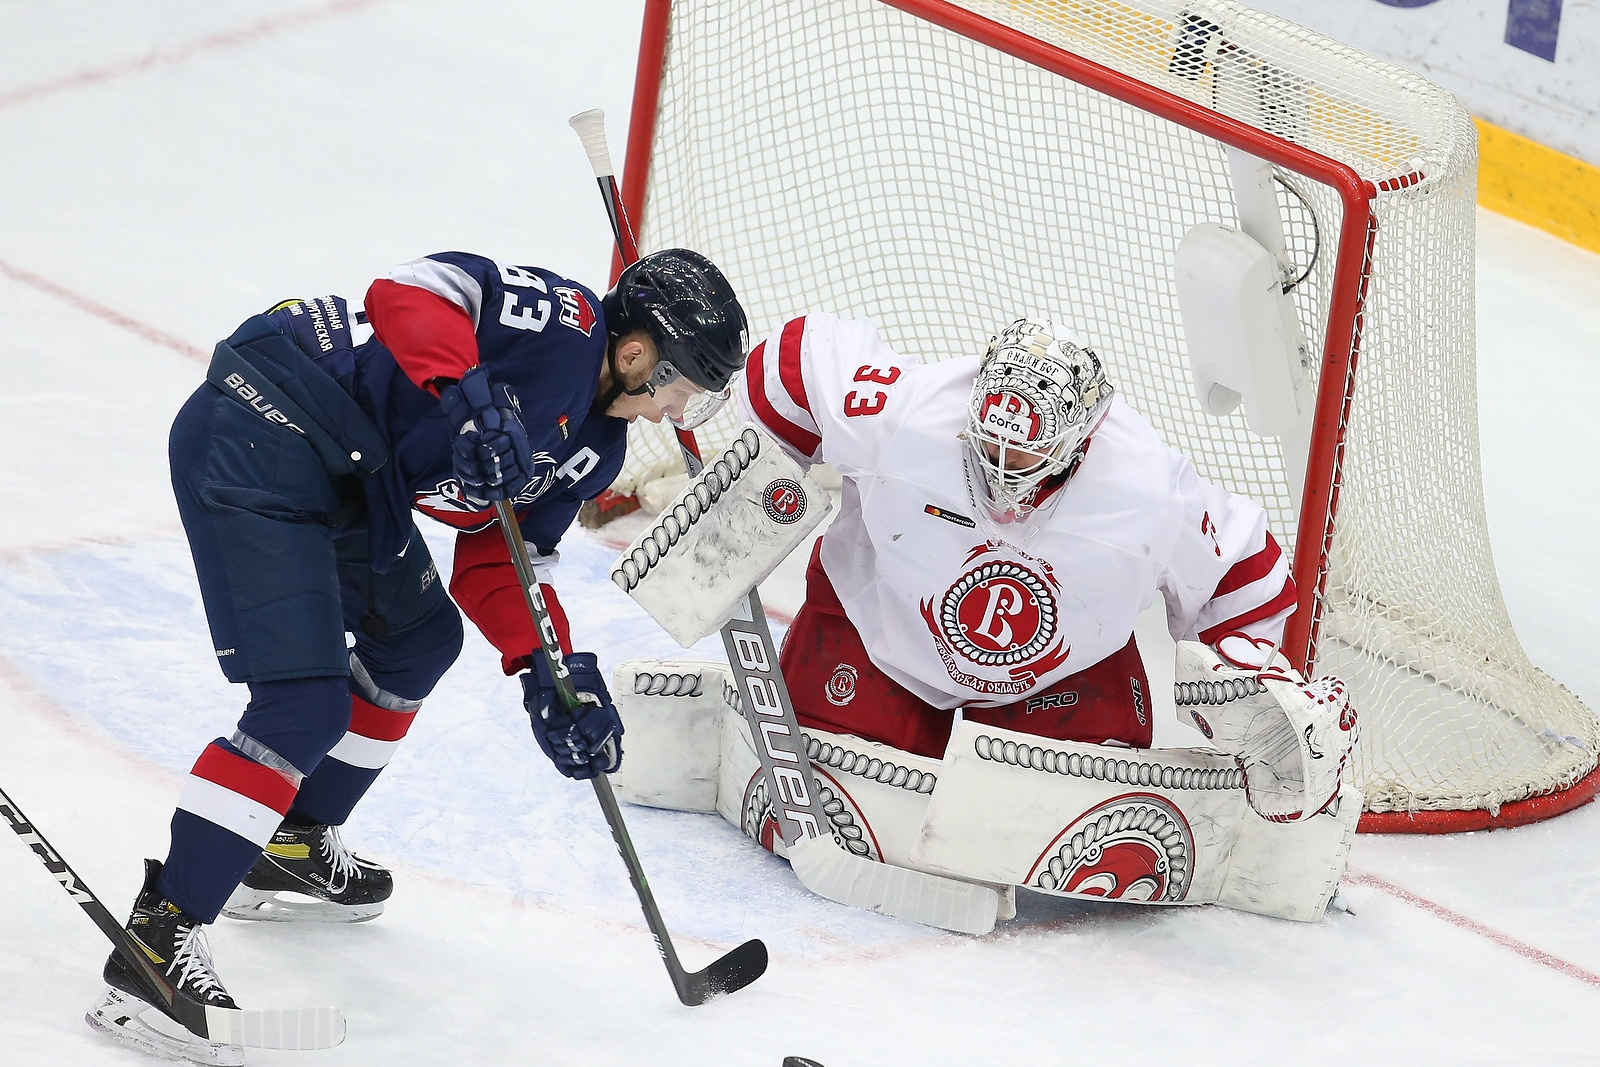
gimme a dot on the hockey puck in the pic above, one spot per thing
(800, 1061)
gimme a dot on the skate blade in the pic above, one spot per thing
(143, 1027)
(280, 906)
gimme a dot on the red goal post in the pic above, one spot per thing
(837, 155)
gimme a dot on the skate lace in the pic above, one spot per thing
(191, 964)
(341, 861)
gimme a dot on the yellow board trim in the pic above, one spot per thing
(1538, 185)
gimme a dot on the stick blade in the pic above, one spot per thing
(727, 975)
(295, 1030)
(800, 1061)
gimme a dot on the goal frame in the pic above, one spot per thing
(1341, 343)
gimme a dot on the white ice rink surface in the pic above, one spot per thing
(168, 168)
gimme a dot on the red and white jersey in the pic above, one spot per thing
(958, 617)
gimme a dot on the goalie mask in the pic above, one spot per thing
(1039, 394)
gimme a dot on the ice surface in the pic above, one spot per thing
(174, 166)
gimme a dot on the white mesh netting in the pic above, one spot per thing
(845, 156)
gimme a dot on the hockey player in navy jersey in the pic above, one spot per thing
(297, 467)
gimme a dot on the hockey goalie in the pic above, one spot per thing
(964, 663)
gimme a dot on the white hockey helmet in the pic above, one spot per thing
(1039, 394)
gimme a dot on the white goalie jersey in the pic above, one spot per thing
(947, 605)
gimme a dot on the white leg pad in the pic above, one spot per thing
(1154, 826)
(672, 724)
(1145, 826)
(874, 796)
(1291, 870)
(1158, 826)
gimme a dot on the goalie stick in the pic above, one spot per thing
(822, 866)
(729, 973)
(296, 1029)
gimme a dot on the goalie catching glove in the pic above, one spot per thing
(583, 742)
(1291, 737)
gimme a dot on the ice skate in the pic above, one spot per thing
(306, 874)
(130, 1011)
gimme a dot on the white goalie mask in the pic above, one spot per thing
(1039, 394)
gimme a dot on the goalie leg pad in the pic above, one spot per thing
(672, 712)
(874, 796)
(1166, 826)
(1152, 826)
(689, 749)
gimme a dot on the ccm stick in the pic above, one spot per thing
(820, 864)
(731, 972)
(300, 1029)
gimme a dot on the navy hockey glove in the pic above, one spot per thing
(490, 450)
(580, 743)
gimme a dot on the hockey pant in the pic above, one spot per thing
(836, 687)
(281, 553)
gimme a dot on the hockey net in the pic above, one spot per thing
(938, 169)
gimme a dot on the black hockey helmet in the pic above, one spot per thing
(690, 311)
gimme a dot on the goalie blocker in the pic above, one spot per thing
(1154, 826)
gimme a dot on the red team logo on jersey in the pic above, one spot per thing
(575, 310)
(784, 501)
(1000, 613)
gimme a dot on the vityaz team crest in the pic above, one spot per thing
(1000, 613)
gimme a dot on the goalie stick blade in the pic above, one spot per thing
(729, 974)
(829, 871)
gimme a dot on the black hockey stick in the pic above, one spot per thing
(821, 866)
(298, 1029)
(727, 974)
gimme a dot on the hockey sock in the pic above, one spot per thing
(390, 674)
(239, 790)
(330, 792)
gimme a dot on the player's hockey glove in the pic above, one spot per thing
(1291, 737)
(490, 449)
(580, 743)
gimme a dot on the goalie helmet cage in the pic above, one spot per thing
(939, 169)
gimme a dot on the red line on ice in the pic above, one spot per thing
(1455, 918)
(166, 56)
(102, 312)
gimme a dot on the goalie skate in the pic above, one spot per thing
(307, 874)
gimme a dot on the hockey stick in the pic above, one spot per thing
(822, 866)
(731, 972)
(299, 1029)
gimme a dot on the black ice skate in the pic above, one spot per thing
(306, 874)
(130, 1012)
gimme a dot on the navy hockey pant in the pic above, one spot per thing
(280, 550)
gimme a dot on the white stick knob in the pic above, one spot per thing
(591, 129)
